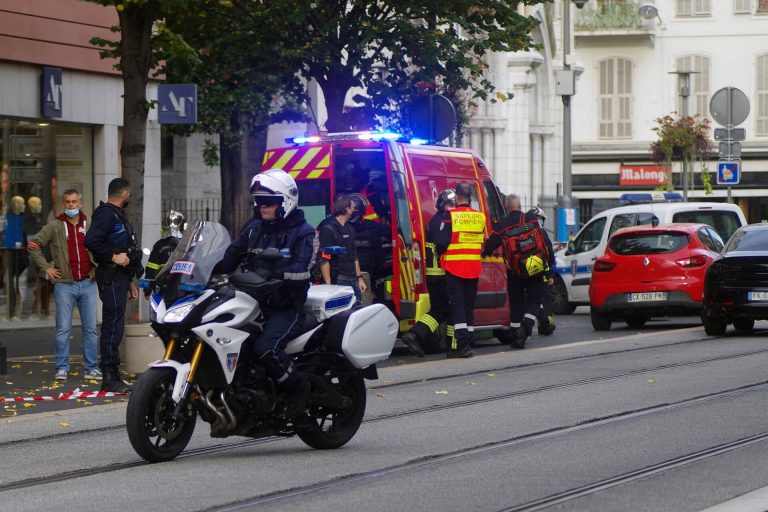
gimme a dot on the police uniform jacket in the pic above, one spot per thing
(110, 233)
(292, 233)
(332, 233)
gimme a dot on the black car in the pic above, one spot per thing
(736, 283)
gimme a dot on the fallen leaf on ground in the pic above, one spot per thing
(63, 424)
(490, 374)
(651, 381)
(379, 394)
(27, 404)
(441, 392)
(16, 366)
(470, 383)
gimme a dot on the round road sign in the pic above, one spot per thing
(729, 106)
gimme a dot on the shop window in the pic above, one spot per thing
(38, 162)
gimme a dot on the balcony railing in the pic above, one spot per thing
(611, 15)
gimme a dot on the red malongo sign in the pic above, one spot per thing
(642, 175)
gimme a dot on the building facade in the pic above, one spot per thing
(60, 126)
(632, 61)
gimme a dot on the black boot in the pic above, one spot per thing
(297, 401)
(411, 340)
(112, 382)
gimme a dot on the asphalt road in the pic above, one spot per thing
(644, 420)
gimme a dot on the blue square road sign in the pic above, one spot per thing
(177, 103)
(728, 173)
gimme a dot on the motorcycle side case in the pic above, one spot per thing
(369, 335)
(326, 300)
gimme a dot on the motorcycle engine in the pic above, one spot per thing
(252, 393)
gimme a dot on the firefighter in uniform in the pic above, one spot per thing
(525, 293)
(173, 227)
(459, 242)
(544, 317)
(439, 306)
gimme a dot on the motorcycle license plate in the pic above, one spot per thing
(757, 296)
(646, 296)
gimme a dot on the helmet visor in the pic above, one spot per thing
(259, 200)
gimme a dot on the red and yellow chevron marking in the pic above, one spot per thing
(302, 163)
(407, 279)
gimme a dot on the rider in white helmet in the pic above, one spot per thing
(277, 223)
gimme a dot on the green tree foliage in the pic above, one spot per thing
(397, 50)
(687, 139)
(143, 43)
(244, 84)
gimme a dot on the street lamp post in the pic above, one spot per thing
(685, 91)
(566, 88)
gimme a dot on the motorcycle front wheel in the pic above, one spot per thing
(154, 433)
(332, 428)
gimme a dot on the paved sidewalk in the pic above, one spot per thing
(31, 368)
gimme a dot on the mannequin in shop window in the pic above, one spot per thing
(5, 187)
(38, 281)
(14, 254)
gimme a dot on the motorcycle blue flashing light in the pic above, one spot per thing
(146, 283)
(192, 287)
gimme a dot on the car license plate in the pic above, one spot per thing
(646, 296)
(756, 296)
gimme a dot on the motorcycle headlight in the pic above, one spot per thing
(177, 314)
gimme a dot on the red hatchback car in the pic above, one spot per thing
(651, 271)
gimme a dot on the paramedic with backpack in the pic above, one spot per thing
(529, 257)
(459, 242)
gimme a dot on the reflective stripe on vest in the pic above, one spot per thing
(462, 257)
(432, 263)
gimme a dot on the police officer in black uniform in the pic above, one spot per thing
(279, 224)
(373, 245)
(439, 305)
(336, 231)
(173, 228)
(112, 242)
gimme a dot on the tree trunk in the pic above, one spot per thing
(135, 61)
(335, 91)
(239, 163)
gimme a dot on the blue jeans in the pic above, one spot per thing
(354, 283)
(67, 295)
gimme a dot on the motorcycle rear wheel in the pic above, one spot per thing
(154, 435)
(332, 428)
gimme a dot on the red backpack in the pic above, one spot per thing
(525, 251)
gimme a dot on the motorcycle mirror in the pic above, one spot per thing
(146, 251)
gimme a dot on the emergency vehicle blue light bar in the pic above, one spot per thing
(192, 287)
(378, 136)
(419, 142)
(303, 140)
(651, 197)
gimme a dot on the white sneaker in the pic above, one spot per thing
(94, 374)
(61, 375)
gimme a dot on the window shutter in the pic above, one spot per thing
(762, 95)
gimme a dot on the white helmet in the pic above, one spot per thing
(277, 184)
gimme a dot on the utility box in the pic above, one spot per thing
(565, 82)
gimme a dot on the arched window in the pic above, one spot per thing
(698, 101)
(615, 108)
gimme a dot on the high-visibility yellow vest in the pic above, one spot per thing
(462, 258)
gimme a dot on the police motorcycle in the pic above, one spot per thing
(206, 323)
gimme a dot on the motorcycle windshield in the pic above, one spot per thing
(189, 267)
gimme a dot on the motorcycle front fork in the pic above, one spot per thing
(193, 365)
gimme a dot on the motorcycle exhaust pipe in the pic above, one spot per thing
(221, 421)
(232, 419)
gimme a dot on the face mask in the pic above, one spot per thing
(72, 213)
(125, 204)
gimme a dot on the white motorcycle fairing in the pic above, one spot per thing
(182, 372)
(243, 308)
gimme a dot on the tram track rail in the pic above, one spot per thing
(362, 478)
(195, 452)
